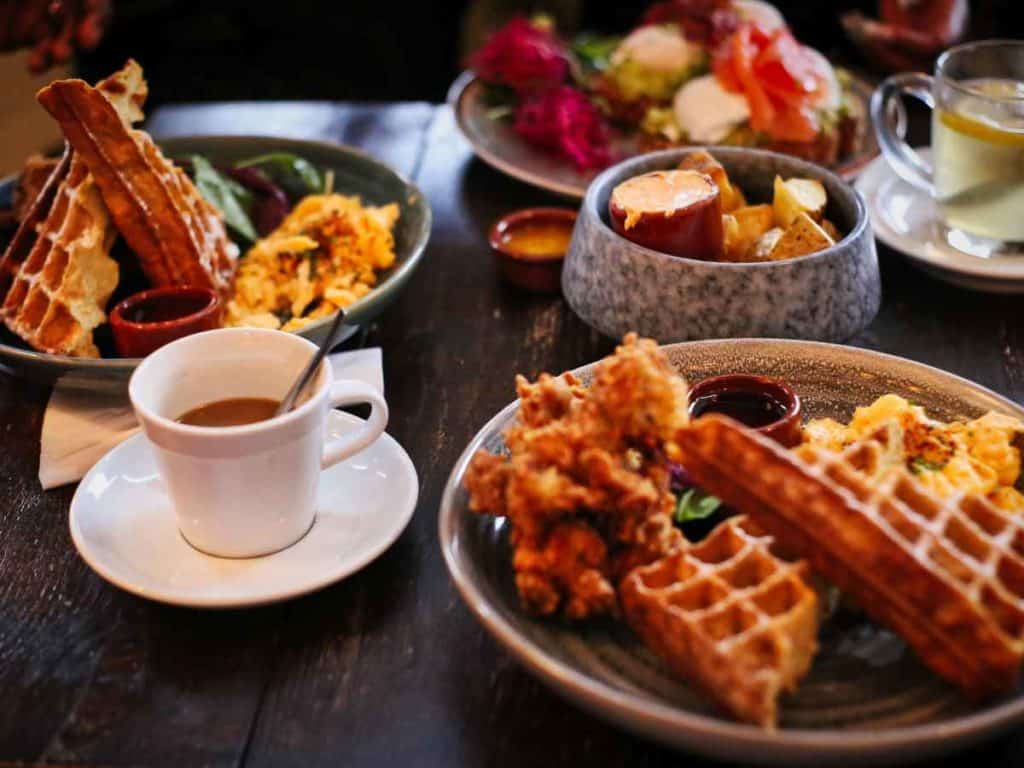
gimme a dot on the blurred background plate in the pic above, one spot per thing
(355, 173)
(495, 142)
(866, 699)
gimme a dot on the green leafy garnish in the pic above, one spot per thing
(595, 51)
(919, 465)
(695, 504)
(295, 175)
(226, 195)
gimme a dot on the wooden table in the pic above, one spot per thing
(387, 668)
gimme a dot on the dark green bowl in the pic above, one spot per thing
(355, 173)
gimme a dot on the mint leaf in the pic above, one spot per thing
(695, 504)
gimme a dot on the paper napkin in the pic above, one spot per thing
(79, 427)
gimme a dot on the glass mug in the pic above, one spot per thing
(976, 173)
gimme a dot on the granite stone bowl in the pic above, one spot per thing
(617, 286)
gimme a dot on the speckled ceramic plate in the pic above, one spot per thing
(905, 218)
(355, 173)
(497, 144)
(866, 700)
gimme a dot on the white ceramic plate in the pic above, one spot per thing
(866, 700)
(123, 525)
(905, 218)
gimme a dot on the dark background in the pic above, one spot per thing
(374, 49)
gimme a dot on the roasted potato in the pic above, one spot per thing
(831, 229)
(800, 238)
(747, 225)
(795, 196)
(701, 160)
(754, 220)
(761, 248)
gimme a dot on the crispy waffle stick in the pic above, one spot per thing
(730, 616)
(177, 236)
(948, 576)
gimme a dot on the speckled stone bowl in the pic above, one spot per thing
(617, 286)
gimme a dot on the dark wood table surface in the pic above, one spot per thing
(387, 668)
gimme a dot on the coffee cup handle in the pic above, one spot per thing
(887, 115)
(353, 393)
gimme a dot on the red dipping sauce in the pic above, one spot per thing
(147, 321)
(767, 405)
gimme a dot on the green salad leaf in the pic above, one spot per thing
(595, 51)
(695, 504)
(295, 175)
(227, 195)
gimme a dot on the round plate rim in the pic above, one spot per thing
(653, 717)
(191, 600)
(457, 99)
(354, 313)
(869, 183)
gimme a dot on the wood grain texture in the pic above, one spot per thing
(387, 668)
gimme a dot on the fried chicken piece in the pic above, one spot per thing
(586, 467)
(568, 567)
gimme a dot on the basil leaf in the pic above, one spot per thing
(695, 504)
(217, 190)
(296, 175)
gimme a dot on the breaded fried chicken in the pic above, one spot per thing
(586, 484)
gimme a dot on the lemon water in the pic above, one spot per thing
(978, 148)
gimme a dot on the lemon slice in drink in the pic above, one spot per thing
(981, 130)
(1009, 131)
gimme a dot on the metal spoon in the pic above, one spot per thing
(288, 401)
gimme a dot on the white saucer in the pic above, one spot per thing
(123, 526)
(905, 218)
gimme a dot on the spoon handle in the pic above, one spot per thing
(288, 401)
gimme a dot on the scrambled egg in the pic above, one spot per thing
(325, 255)
(980, 456)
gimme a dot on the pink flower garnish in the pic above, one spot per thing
(523, 56)
(564, 120)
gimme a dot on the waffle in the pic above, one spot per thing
(34, 175)
(947, 575)
(177, 236)
(730, 616)
(57, 295)
(57, 274)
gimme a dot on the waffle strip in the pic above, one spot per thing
(948, 576)
(728, 615)
(178, 237)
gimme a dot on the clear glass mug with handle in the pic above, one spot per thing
(976, 171)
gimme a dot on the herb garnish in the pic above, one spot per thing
(919, 465)
(695, 504)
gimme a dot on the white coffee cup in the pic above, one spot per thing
(247, 490)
